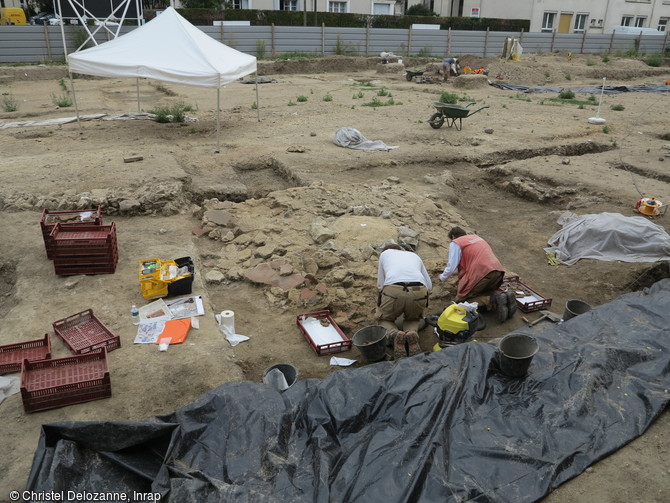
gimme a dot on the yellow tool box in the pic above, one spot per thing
(163, 278)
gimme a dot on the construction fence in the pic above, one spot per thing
(47, 44)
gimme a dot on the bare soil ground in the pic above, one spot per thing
(507, 175)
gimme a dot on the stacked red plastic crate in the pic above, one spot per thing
(83, 249)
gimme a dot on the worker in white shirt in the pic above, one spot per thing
(403, 287)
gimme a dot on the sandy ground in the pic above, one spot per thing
(512, 170)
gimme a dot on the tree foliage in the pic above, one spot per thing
(420, 10)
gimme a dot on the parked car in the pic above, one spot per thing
(42, 18)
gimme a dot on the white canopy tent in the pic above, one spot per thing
(170, 49)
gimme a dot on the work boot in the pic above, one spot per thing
(500, 304)
(412, 339)
(399, 349)
(390, 337)
(511, 304)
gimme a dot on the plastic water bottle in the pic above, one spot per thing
(135, 314)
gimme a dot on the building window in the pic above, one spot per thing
(382, 9)
(548, 21)
(640, 22)
(288, 4)
(580, 22)
(626, 20)
(337, 6)
(663, 24)
(240, 4)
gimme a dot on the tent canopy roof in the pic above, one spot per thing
(167, 48)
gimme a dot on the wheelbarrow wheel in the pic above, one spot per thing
(436, 120)
(409, 77)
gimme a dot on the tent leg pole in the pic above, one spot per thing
(74, 99)
(137, 82)
(218, 119)
(258, 106)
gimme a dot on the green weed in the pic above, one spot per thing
(254, 106)
(566, 94)
(654, 60)
(449, 98)
(10, 104)
(327, 97)
(590, 62)
(568, 76)
(606, 129)
(290, 103)
(171, 113)
(301, 99)
(618, 108)
(605, 59)
(260, 49)
(383, 92)
(61, 100)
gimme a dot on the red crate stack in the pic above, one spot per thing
(71, 218)
(83, 249)
(46, 384)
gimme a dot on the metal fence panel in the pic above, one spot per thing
(34, 44)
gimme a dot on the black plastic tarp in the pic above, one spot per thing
(445, 426)
(642, 88)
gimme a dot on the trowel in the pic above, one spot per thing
(546, 315)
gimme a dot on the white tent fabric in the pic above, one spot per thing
(167, 48)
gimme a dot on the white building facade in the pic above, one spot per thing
(564, 16)
(381, 7)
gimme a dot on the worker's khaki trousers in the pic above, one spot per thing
(396, 300)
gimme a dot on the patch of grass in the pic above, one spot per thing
(171, 113)
(606, 129)
(654, 60)
(449, 98)
(618, 108)
(254, 106)
(327, 97)
(10, 103)
(613, 142)
(62, 85)
(80, 39)
(521, 97)
(605, 59)
(161, 88)
(260, 49)
(566, 94)
(301, 99)
(290, 103)
(376, 102)
(568, 76)
(591, 99)
(590, 62)
(61, 100)
(342, 48)
(383, 92)
(504, 105)
(547, 74)
(299, 55)
(581, 107)
(563, 101)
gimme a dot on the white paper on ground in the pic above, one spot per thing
(9, 386)
(342, 362)
(235, 339)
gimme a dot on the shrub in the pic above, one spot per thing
(301, 99)
(605, 59)
(61, 100)
(568, 76)
(566, 94)
(383, 92)
(254, 106)
(327, 97)
(290, 103)
(260, 49)
(447, 97)
(618, 108)
(171, 113)
(606, 129)
(654, 60)
(590, 62)
(10, 104)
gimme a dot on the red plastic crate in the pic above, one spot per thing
(68, 218)
(84, 332)
(534, 302)
(12, 355)
(76, 270)
(327, 348)
(82, 240)
(46, 384)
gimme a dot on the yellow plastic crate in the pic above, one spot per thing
(154, 277)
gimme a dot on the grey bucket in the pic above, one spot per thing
(371, 341)
(281, 376)
(574, 308)
(516, 354)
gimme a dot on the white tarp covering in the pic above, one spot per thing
(167, 48)
(352, 138)
(609, 237)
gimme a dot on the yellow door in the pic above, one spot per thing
(564, 23)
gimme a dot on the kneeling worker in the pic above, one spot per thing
(480, 273)
(404, 287)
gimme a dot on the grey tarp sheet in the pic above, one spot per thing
(644, 88)
(352, 138)
(609, 237)
(445, 426)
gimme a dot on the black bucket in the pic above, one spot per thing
(371, 341)
(516, 354)
(574, 308)
(281, 376)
